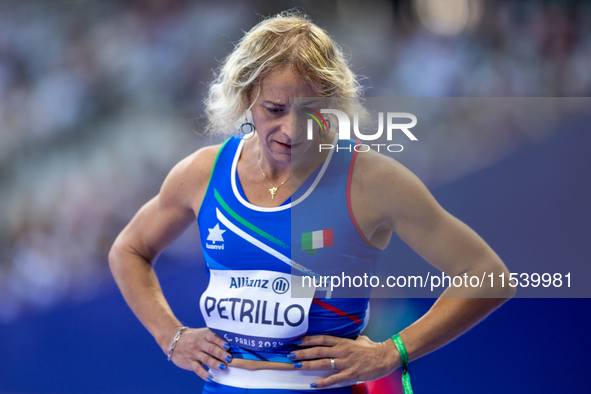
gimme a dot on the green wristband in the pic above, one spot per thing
(406, 387)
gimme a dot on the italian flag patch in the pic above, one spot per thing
(316, 240)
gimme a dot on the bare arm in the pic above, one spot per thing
(387, 198)
(452, 247)
(155, 226)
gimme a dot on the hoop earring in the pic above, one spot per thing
(326, 130)
(243, 134)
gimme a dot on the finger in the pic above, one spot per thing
(213, 348)
(320, 340)
(200, 371)
(210, 361)
(314, 353)
(318, 364)
(330, 381)
(213, 338)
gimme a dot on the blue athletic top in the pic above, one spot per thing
(255, 255)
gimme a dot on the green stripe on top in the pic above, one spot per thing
(247, 223)
(217, 156)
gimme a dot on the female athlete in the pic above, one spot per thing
(243, 192)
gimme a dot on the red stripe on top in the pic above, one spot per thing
(349, 176)
(336, 310)
(327, 237)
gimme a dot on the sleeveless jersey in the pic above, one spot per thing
(255, 255)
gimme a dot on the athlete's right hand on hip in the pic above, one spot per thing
(199, 347)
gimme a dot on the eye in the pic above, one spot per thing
(274, 110)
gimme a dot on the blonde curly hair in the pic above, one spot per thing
(289, 38)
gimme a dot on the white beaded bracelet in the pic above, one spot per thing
(175, 340)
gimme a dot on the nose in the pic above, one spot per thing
(286, 126)
(297, 125)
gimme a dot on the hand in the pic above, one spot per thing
(199, 347)
(356, 360)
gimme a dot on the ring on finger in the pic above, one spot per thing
(332, 363)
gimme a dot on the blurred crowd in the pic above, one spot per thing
(99, 99)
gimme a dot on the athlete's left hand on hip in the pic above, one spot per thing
(356, 360)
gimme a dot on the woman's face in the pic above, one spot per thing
(272, 114)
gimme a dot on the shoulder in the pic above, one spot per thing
(376, 173)
(188, 179)
(387, 191)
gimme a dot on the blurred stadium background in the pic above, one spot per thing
(99, 99)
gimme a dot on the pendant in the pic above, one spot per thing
(273, 190)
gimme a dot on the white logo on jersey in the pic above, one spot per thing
(215, 234)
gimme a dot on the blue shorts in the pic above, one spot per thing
(216, 388)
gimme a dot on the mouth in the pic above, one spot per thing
(286, 146)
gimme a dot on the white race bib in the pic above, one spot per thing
(254, 309)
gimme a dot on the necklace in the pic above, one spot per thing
(273, 188)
